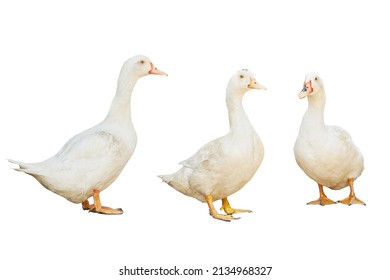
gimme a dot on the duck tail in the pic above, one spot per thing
(164, 178)
(24, 167)
(178, 180)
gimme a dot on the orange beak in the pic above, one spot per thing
(155, 71)
(253, 84)
(307, 89)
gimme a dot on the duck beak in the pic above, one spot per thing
(155, 71)
(253, 84)
(307, 89)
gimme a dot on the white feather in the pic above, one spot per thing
(223, 166)
(93, 159)
(325, 153)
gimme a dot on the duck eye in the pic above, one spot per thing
(316, 78)
(241, 76)
(142, 61)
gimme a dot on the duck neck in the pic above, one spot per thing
(237, 116)
(315, 109)
(120, 109)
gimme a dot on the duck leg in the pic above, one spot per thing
(214, 213)
(351, 199)
(86, 205)
(323, 200)
(97, 207)
(229, 210)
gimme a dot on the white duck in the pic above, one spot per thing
(326, 153)
(90, 161)
(224, 165)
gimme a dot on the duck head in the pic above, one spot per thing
(311, 86)
(141, 65)
(243, 81)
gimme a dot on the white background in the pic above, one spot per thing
(58, 69)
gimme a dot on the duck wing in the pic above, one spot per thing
(341, 133)
(85, 151)
(206, 156)
(91, 146)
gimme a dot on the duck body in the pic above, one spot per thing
(326, 153)
(91, 161)
(223, 166)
